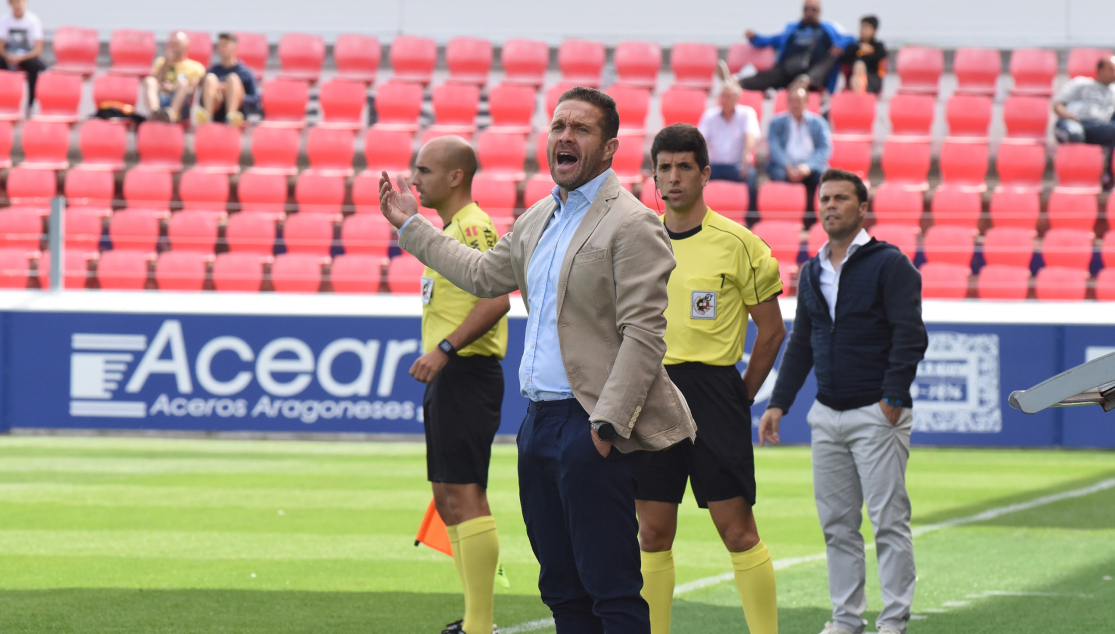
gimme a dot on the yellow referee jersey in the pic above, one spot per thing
(722, 268)
(444, 306)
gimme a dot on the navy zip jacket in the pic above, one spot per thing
(873, 348)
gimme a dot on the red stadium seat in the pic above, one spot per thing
(134, 230)
(1078, 166)
(193, 231)
(632, 105)
(1069, 209)
(123, 270)
(1026, 118)
(90, 189)
(275, 151)
(512, 108)
(502, 155)
(201, 47)
(999, 282)
(356, 273)
(20, 229)
(1082, 61)
(132, 52)
(781, 201)
(903, 237)
(957, 207)
(12, 89)
(729, 199)
(1110, 214)
(524, 62)
(753, 99)
(160, 146)
(1009, 246)
(75, 270)
(5, 145)
(342, 104)
(816, 239)
(413, 59)
(1069, 248)
(253, 50)
(237, 272)
(581, 62)
(496, 196)
(398, 106)
(812, 104)
(180, 271)
(1020, 167)
(357, 58)
(330, 151)
(45, 145)
(469, 60)
(693, 64)
(149, 191)
(628, 160)
(217, 148)
(969, 117)
(201, 190)
(75, 50)
(682, 105)
(264, 192)
(977, 70)
(404, 274)
(944, 281)
(121, 89)
(541, 144)
(911, 117)
(742, 53)
(783, 238)
(950, 245)
(1105, 285)
(320, 193)
(963, 165)
(541, 185)
(455, 108)
(897, 205)
(1057, 284)
(31, 190)
(1014, 208)
(368, 234)
(365, 192)
(251, 232)
(853, 156)
(59, 95)
(1033, 70)
(296, 273)
(308, 233)
(920, 69)
(83, 229)
(284, 103)
(906, 165)
(301, 56)
(637, 64)
(388, 150)
(103, 145)
(853, 116)
(648, 195)
(553, 93)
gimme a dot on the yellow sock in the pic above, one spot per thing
(755, 581)
(479, 546)
(658, 588)
(455, 542)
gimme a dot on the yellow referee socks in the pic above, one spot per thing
(755, 581)
(658, 588)
(455, 542)
(479, 548)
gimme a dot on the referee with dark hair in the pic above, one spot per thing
(724, 274)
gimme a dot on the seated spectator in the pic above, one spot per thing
(800, 145)
(732, 132)
(173, 80)
(865, 61)
(228, 92)
(1086, 112)
(22, 44)
(810, 47)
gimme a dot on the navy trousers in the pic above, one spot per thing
(579, 510)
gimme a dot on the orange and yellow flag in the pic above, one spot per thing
(432, 532)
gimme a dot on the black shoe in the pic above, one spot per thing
(454, 627)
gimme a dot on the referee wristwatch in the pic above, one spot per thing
(447, 348)
(604, 430)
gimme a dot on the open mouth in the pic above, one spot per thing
(566, 159)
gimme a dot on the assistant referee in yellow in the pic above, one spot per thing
(463, 340)
(724, 273)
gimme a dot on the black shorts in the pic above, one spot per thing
(721, 463)
(461, 411)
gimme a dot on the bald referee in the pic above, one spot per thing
(463, 339)
(724, 273)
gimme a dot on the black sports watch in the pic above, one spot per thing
(605, 431)
(447, 347)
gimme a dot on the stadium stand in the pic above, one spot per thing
(403, 274)
(301, 57)
(59, 96)
(944, 281)
(387, 150)
(511, 108)
(194, 231)
(1009, 246)
(356, 273)
(1082, 61)
(969, 117)
(6, 139)
(1000, 282)
(553, 93)
(413, 59)
(1033, 70)
(469, 60)
(682, 105)
(275, 150)
(204, 191)
(1020, 167)
(581, 62)
(1015, 208)
(330, 151)
(251, 232)
(911, 117)
(896, 204)
(160, 146)
(320, 193)
(1058, 284)
(217, 148)
(297, 273)
(1078, 167)
(46, 145)
(342, 104)
(755, 100)
(1072, 209)
(957, 207)
(637, 64)
(902, 236)
(949, 245)
(14, 267)
(977, 70)
(398, 106)
(524, 62)
(693, 64)
(132, 52)
(1026, 119)
(742, 53)
(89, 189)
(310, 233)
(75, 50)
(20, 229)
(853, 116)
(920, 69)
(180, 271)
(730, 200)
(12, 91)
(134, 230)
(502, 155)
(238, 272)
(201, 47)
(253, 50)
(357, 58)
(853, 156)
(368, 234)
(112, 90)
(633, 105)
(455, 108)
(82, 230)
(495, 195)
(906, 165)
(813, 102)
(781, 201)
(963, 165)
(30, 190)
(75, 270)
(149, 191)
(262, 191)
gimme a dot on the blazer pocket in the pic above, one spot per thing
(587, 257)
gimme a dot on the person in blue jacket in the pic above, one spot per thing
(800, 146)
(808, 47)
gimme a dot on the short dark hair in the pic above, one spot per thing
(870, 19)
(833, 174)
(609, 122)
(680, 137)
(231, 37)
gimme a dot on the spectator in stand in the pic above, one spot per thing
(732, 132)
(170, 87)
(1086, 112)
(22, 44)
(810, 47)
(228, 91)
(865, 61)
(800, 146)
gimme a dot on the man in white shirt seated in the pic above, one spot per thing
(732, 132)
(21, 44)
(800, 146)
(1085, 110)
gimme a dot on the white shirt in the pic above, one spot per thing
(830, 277)
(799, 147)
(20, 35)
(726, 139)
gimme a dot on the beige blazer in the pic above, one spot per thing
(610, 302)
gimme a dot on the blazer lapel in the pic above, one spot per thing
(595, 213)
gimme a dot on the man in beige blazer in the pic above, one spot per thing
(592, 264)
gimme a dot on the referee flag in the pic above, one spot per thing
(432, 532)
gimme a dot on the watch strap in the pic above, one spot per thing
(445, 346)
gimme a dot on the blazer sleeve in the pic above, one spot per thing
(902, 302)
(822, 145)
(642, 261)
(797, 361)
(483, 274)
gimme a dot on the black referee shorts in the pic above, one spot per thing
(721, 463)
(461, 411)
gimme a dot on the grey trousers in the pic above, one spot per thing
(859, 456)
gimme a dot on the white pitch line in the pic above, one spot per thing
(782, 564)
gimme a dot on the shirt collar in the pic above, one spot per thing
(463, 210)
(589, 190)
(861, 239)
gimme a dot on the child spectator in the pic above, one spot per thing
(865, 61)
(228, 92)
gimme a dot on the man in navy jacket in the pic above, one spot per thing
(807, 47)
(859, 326)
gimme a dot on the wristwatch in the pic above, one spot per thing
(604, 430)
(447, 347)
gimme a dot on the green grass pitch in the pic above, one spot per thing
(122, 535)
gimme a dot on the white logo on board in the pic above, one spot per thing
(957, 385)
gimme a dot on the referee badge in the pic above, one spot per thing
(427, 289)
(703, 305)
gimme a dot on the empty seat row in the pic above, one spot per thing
(977, 69)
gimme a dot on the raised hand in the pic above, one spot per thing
(397, 205)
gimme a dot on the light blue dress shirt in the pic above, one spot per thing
(542, 371)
